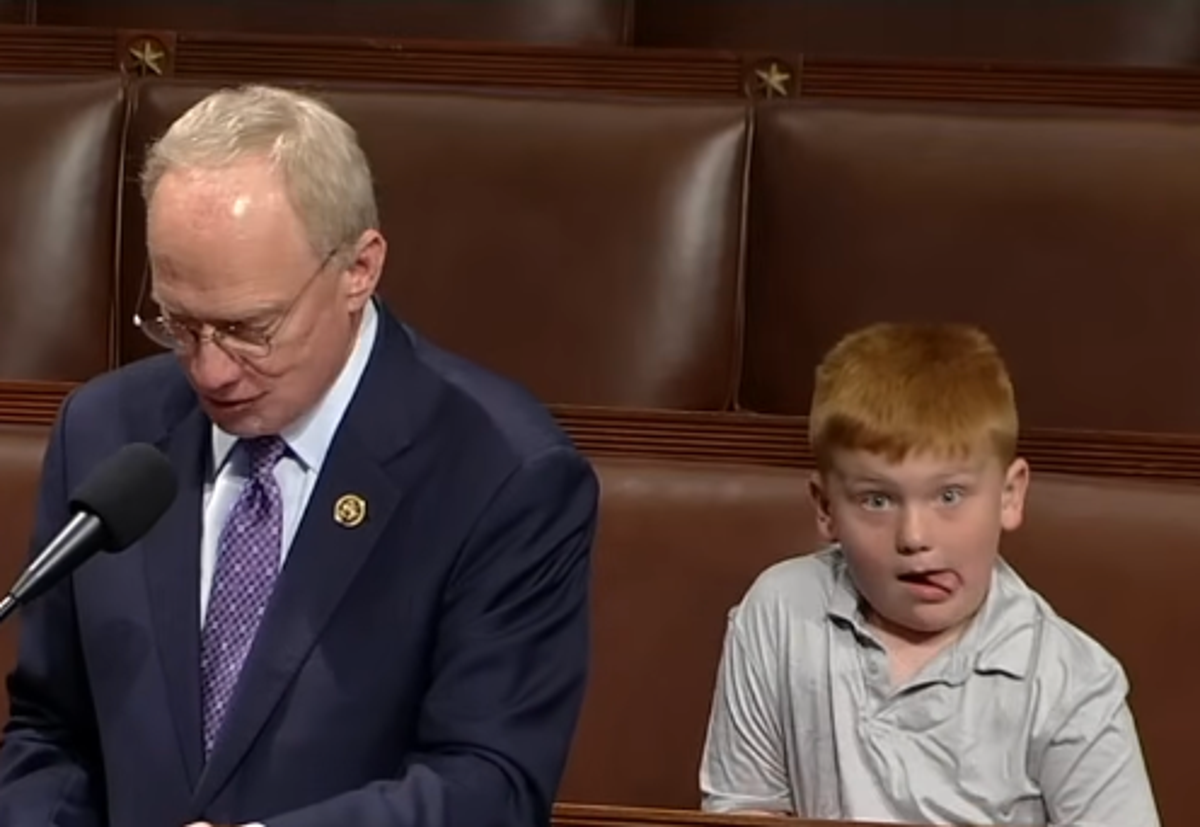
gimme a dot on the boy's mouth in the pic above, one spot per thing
(932, 583)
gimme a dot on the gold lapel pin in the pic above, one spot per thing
(350, 510)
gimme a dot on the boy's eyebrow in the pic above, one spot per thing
(864, 480)
(958, 472)
(853, 480)
(971, 470)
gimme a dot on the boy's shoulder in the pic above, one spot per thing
(1067, 655)
(794, 590)
(1067, 667)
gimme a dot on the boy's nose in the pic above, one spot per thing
(913, 534)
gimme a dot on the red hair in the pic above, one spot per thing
(896, 389)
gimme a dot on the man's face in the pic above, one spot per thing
(233, 266)
(920, 536)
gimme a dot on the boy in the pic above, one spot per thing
(906, 673)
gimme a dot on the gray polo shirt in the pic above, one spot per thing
(1022, 721)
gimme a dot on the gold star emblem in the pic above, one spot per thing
(350, 510)
(773, 80)
(147, 57)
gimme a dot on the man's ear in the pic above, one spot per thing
(364, 269)
(819, 491)
(1012, 499)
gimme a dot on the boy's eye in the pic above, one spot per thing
(952, 495)
(874, 500)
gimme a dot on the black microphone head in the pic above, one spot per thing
(128, 492)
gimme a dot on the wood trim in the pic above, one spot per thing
(609, 69)
(624, 70)
(759, 439)
(31, 403)
(781, 441)
(54, 50)
(665, 72)
(1001, 82)
(595, 815)
(603, 815)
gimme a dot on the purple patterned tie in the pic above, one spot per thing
(247, 564)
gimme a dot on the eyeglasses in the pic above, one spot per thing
(246, 340)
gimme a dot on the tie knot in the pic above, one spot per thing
(262, 453)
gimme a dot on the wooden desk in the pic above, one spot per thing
(601, 815)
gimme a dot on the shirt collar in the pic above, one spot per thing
(1000, 638)
(309, 437)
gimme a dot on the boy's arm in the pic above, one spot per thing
(743, 768)
(1092, 770)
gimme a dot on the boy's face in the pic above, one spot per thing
(920, 536)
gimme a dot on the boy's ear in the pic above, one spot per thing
(818, 490)
(1012, 499)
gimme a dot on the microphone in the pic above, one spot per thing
(118, 503)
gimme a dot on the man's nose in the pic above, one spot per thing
(211, 367)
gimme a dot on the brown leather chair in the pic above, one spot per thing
(1118, 558)
(1070, 235)
(679, 543)
(60, 161)
(21, 451)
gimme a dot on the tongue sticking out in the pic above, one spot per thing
(932, 583)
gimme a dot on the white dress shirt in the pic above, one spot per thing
(308, 439)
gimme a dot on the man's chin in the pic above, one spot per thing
(242, 419)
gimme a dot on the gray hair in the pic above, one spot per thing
(324, 170)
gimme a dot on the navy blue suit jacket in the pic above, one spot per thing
(425, 668)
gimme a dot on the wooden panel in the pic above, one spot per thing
(698, 73)
(514, 21)
(266, 57)
(28, 49)
(1131, 32)
(31, 403)
(781, 441)
(603, 69)
(16, 11)
(774, 441)
(1165, 88)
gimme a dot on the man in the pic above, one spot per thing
(368, 604)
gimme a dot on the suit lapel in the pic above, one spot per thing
(321, 565)
(172, 567)
(326, 554)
